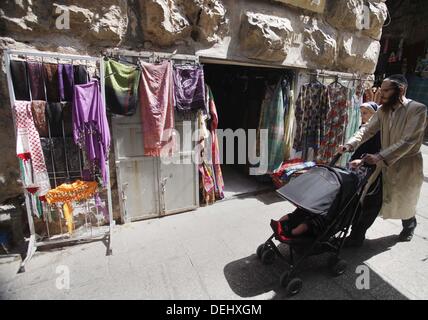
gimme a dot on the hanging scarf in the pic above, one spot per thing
(157, 112)
(272, 119)
(28, 146)
(18, 72)
(189, 88)
(121, 87)
(80, 74)
(50, 73)
(38, 109)
(219, 183)
(35, 75)
(55, 116)
(90, 126)
(65, 81)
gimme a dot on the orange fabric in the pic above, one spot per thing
(76, 191)
(66, 193)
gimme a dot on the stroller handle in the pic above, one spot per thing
(335, 159)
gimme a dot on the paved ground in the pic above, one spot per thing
(210, 254)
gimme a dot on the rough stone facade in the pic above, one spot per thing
(327, 34)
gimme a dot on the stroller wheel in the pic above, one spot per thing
(268, 256)
(260, 250)
(292, 286)
(338, 267)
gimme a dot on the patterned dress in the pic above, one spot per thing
(312, 106)
(336, 122)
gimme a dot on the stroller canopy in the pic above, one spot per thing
(317, 190)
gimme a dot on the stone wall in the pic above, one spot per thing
(323, 34)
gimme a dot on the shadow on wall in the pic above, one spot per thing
(248, 277)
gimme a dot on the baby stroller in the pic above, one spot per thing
(329, 192)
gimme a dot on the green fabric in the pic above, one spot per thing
(121, 87)
(39, 208)
(272, 118)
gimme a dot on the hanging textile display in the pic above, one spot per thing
(312, 106)
(66, 193)
(121, 87)
(61, 155)
(28, 147)
(66, 81)
(354, 118)
(55, 118)
(18, 71)
(289, 127)
(157, 112)
(335, 122)
(50, 75)
(272, 119)
(189, 88)
(90, 127)
(38, 109)
(218, 176)
(35, 75)
(207, 184)
(80, 74)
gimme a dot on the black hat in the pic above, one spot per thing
(398, 79)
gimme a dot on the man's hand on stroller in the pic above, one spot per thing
(372, 159)
(355, 163)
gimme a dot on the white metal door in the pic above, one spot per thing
(148, 186)
(137, 176)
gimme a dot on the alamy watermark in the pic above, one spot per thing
(62, 282)
(363, 280)
(240, 146)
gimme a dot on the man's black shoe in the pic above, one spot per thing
(406, 235)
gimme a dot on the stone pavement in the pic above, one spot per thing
(210, 254)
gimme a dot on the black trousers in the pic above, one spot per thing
(368, 210)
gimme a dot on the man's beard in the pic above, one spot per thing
(392, 101)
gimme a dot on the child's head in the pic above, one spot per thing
(368, 109)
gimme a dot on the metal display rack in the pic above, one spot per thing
(97, 232)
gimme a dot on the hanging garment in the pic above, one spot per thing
(35, 75)
(51, 78)
(18, 70)
(55, 118)
(66, 193)
(157, 112)
(67, 118)
(90, 126)
(121, 87)
(38, 109)
(289, 127)
(28, 146)
(207, 186)
(272, 119)
(335, 122)
(218, 176)
(66, 81)
(189, 87)
(354, 118)
(61, 156)
(312, 106)
(80, 74)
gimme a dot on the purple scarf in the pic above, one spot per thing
(66, 81)
(90, 125)
(189, 86)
